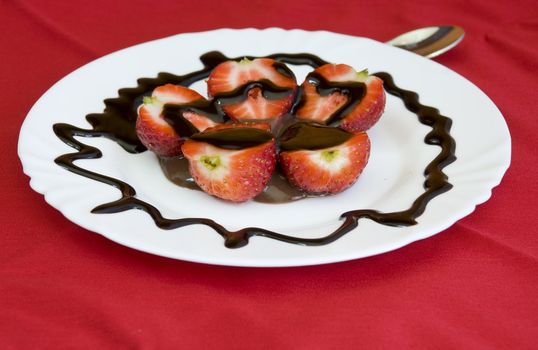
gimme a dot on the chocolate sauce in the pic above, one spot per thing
(312, 137)
(353, 90)
(176, 169)
(174, 115)
(213, 110)
(117, 122)
(235, 138)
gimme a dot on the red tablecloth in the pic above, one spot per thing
(474, 285)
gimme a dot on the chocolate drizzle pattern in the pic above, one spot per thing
(354, 91)
(212, 109)
(117, 122)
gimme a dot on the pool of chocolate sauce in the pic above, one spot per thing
(117, 122)
(176, 169)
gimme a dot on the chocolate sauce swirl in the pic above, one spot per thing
(117, 122)
(353, 90)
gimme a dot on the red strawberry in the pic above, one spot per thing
(329, 170)
(230, 76)
(154, 132)
(321, 108)
(235, 175)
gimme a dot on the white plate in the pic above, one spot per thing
(390, 182)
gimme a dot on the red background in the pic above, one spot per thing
(474, 285)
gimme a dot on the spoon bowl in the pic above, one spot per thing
(429, 41)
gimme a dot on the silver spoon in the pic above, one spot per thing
(429, 41)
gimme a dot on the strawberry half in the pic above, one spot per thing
(355, 100)
(326, 170)
(156, 133)
(270, 98)
(235, 175)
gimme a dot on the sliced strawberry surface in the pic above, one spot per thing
(233, 175)
(230, 76)
(257, 107)
(339, 72)
(154, 131)
(318, 108)
(199, 121)
(175, 94)
(322, 109)
(327, 171)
